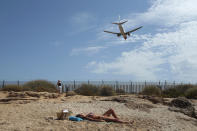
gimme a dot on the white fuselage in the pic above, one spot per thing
(122, 31)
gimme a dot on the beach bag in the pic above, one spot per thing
(64, 114)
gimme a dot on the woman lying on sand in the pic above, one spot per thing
(105, 117)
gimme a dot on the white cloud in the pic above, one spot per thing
(170, 54)
(167, 13)
(88, 50)
(133, 62)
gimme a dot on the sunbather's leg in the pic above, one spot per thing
(109, 112)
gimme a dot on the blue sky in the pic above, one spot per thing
(64, 39)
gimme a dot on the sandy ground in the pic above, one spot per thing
(40, 115)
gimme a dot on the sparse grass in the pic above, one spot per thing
(88, 90)
(12, 87)
(151, 90)
(107, 91)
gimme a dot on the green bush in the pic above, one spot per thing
(13, 87)
(40, 86)
(87, 90)
(107, 91)
(191, 93)
(177, 91)
(151, 90)
(120, 91)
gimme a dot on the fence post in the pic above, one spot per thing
(68, 87)
(102, 82)
(136, 88)
(140, 85)
(3, 84)
(165, 84)
(18, 83)
(131, 90)
(117, 85)
(65, 88)
(74, 84)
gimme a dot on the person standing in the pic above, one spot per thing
(59, 84)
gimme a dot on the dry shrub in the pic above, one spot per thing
(151, 90)
(88, 90)
(191, 93)
(171, 92)
(107, 91)
(177, 91)
(15, 88)
(40, 86)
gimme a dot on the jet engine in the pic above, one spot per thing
(118, 35)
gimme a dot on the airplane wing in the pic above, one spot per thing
(113, 33)
(133, 30)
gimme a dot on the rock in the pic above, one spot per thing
(22, 95)
(184, 106)
(70, 93)
(62, 100)
(51, 95)
(13, 94)
(33, 94)
(55, 95)
(121, 100)
(140, 106)
(17, 94)
(181, 102)
(153, 99)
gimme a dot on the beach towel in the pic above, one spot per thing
(74, 118)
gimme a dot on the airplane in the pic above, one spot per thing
(124, 34)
